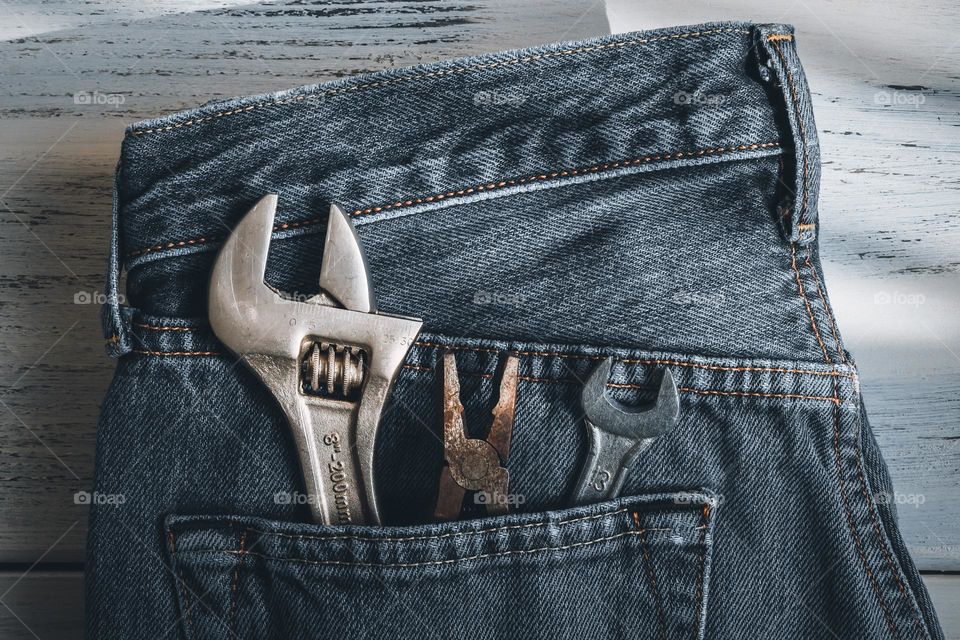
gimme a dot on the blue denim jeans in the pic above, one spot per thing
(648, 196)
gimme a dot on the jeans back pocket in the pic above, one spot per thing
(638, 565)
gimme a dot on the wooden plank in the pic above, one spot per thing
(45, 605)
(945, 593)
(57, 159)
(887, 102)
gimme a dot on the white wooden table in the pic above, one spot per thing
(890, 216)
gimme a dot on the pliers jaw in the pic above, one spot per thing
(473, 464)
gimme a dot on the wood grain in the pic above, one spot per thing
(887, 97)
(56, 164)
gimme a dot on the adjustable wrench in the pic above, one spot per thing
(618, 433)
(330, 361)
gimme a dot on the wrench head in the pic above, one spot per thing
(612, 416)
(343, 272)
(272, 333)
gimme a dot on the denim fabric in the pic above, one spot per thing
(648, 196)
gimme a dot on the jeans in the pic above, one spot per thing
(648, 196)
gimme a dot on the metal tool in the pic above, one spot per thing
(619, 433)
(473, 464)
(330, 361)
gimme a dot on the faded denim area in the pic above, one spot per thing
(648, 196)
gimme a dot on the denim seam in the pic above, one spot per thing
(170, 245)
(235, 583)
(679, 363)
(700, 593)
(152, 327)
(182, 585)
(806, 302)
(652, 577)
(612, 385)
(881, 538)
(435, 74)
(432, 563)
(604, 166)
(620, 385)
(549, 354)
(850, 520)
(826, 307)
(144, 352)
(442, 536)
(800, 124)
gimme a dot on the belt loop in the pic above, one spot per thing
(115, 317)
(800, 177)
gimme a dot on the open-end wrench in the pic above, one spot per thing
(330, 361)
(618, 433)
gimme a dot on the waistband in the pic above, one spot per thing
(394, 143)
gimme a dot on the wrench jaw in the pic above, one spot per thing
(618, 434)
(335, 436)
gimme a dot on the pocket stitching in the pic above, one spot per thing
(452, 534)
(182, 587)
(700, 595)
(651, 575)
(850, 522)
(403, 565)
(235, 586)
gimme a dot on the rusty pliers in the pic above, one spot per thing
(474, 464)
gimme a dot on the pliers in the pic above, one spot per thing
(473, 464)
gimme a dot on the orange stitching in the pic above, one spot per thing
(679, 363)
(576, 356)
(883, 545)
(849, 512)
(432, 563)
(436, 74)
(823, 299)
(236, 582)
(605, 166)
(803, 131)
(752, 394)
(651, 575)
(176, 353)
(176, 244)
(813, 323)
(615, 385)
(776, 37)
(698, 611)
(152, 327)
(442, 536)
(184, 590)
